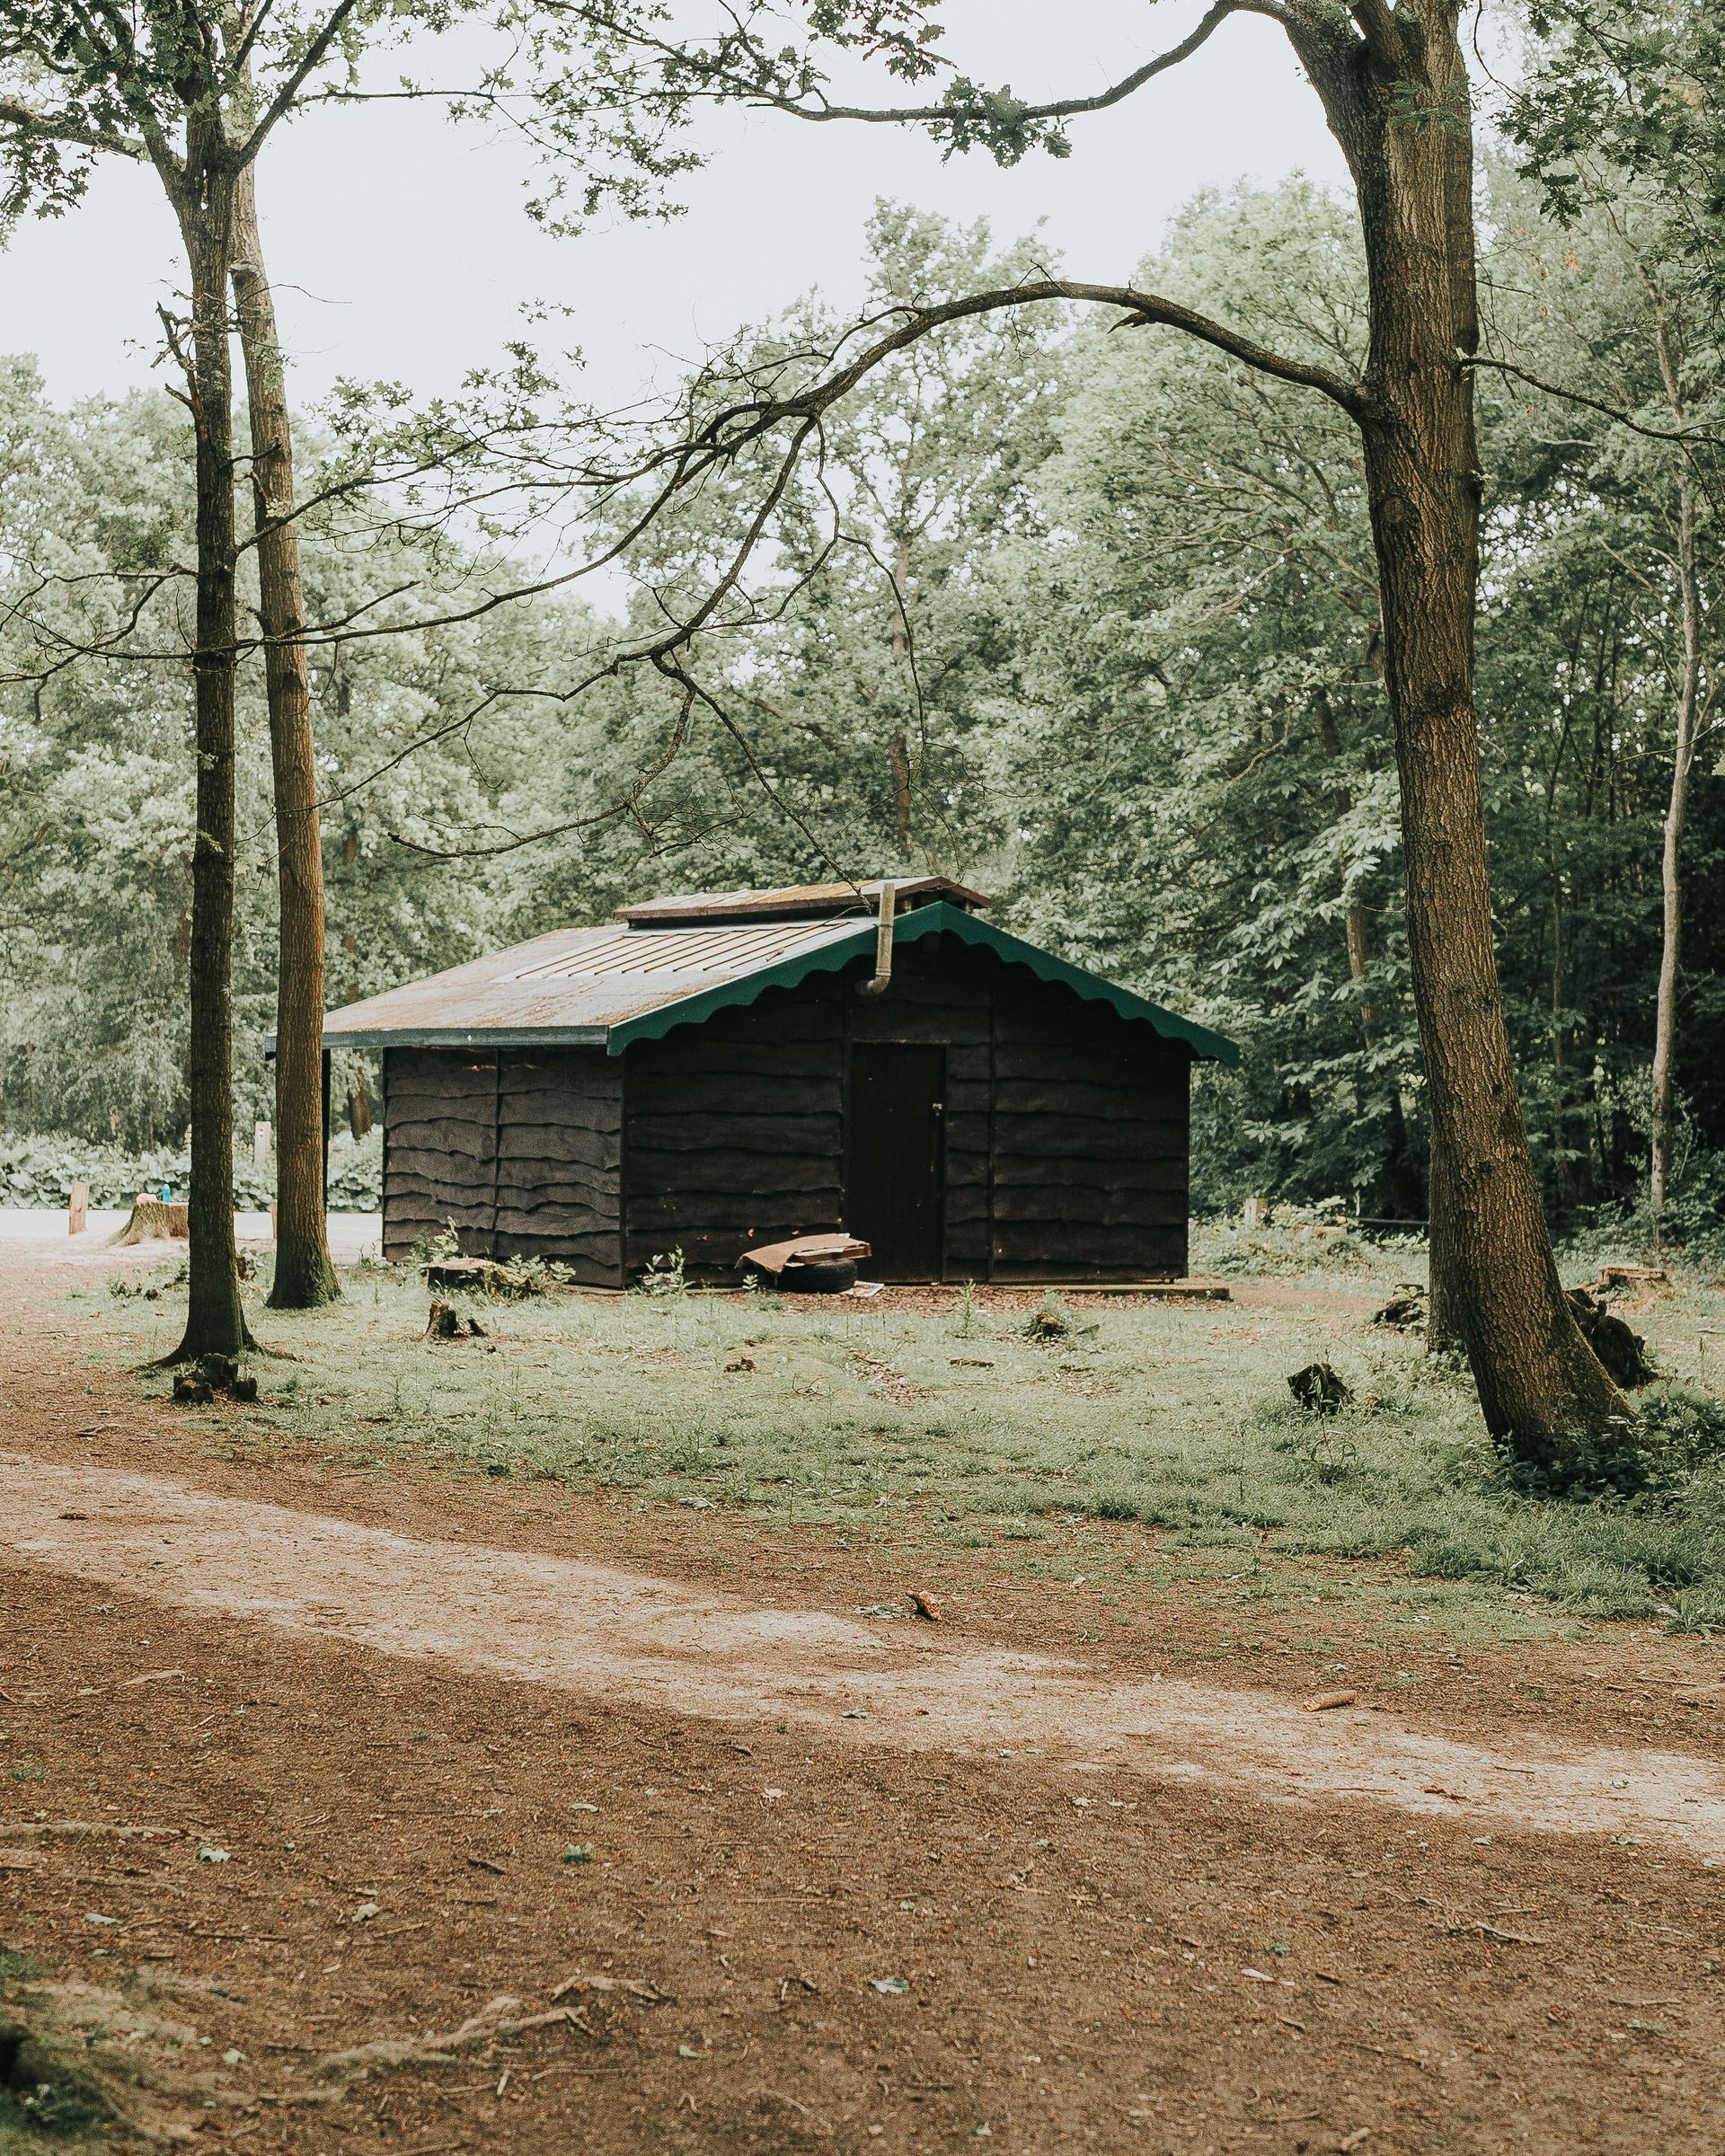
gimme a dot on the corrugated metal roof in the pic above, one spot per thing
(577, 984)
(672, 952)
(604, 988)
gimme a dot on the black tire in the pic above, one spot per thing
(818, 1276)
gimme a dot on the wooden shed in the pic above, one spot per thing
(717, 1072)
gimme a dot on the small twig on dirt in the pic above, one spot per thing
(485, 1864)
(648, 1994)
(779, 2096)
(249, 1938)
(1485, 1931)
(1358, 2044)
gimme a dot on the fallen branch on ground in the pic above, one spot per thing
(497, 2018)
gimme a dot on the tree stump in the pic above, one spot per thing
(1623, 1352)
(153, 1221)
(1319, 1390)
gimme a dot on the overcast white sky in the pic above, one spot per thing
(400, 247)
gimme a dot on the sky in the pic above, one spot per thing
(401, 250)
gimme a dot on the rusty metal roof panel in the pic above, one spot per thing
(604, 987)
(574, 985)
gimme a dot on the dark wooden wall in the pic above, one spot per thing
(521, 1149)
(1066, 1126)
(1065, 1132)
(734, 1132)
(1091, 1143)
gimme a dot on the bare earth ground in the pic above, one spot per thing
(438, 1748)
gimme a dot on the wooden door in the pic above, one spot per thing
(894, 1158)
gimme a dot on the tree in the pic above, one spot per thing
(1392, 79)
(864, 686)
(193, 92)
(304, 1275)
(1620, 122)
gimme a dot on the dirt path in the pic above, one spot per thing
(397, 1745)
(619, 1635)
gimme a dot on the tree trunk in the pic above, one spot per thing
(1443, 1334)
(1398, 106)
(214, 1322)
(304, 1275)
(1664, 1018)
(1356, 927)
(898, 746)
(899, 763)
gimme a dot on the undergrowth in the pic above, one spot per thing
(38, 1173)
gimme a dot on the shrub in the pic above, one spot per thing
(38, 1172)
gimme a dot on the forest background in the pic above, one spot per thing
(1098, 636)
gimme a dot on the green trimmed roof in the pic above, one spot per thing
(605, 987)
(935, 920)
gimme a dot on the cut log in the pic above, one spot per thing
(481, 1276)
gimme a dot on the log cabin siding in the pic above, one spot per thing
(521, 1149)
(734, 1131)
(440, 1146)
(1091, 1141)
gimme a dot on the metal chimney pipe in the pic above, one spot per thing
(883, 979)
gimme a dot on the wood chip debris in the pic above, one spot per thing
(75, 1830)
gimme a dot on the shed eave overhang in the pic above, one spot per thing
(460, 1036)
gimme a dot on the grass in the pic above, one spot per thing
(957, 1426)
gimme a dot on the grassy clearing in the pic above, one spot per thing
(956, 1425)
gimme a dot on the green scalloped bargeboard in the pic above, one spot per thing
(936, 919)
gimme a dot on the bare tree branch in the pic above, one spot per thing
(1689, 436)
(721, 81)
